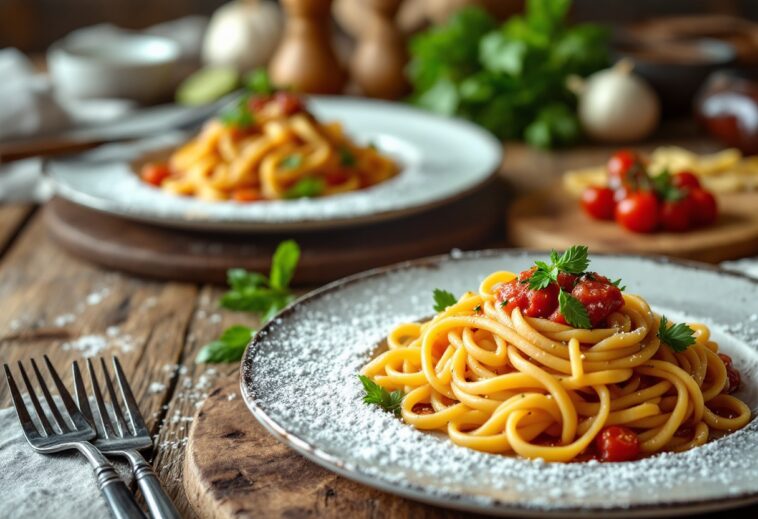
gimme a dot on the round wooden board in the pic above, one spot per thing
(550, 218)
(326, 255)
(234, 469)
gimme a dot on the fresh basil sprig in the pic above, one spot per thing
(443, 299)
(377, 395)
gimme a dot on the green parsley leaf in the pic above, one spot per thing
(664, 187)
(574, 311)
(377, 395)
(478, 308)
(306, 187)
(618, 284)
(347, 157)
(227, 348)
(678, 337)
(503, 303)
(574, 260)
(283, 264)
(258, 81)
(292, 161)
(240, 279)
(542, 278)
(238, 115)
(443, 299)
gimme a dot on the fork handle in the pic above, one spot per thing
(119, 497)
(158, 503)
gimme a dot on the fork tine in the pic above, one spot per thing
(82, 400)
(27, 424)
(120, 422)
(138, 423)
(73, 412)
(33, 397)
(105, 418)
(51, 403)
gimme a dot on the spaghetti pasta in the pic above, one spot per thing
(496, 380)
(272, 149)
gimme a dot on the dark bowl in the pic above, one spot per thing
(677, 69)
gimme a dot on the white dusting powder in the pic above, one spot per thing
(97, 297)
(64, 319)
(155, 388)
(93, 345)
(302, 375)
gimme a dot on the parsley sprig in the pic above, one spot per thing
(306, 187)
(253, 292)
(377, 395)
(443, 299)
(573, 261)
(678, 336)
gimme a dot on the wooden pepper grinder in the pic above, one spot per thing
(378, 65)
(305, 60)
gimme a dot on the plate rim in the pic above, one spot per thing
(456, 500)
(231, 225)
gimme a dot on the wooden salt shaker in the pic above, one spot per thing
(305, 60)
(379, 61)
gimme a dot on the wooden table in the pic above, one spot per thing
(60, 306)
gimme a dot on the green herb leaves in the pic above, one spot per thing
(347, 157)
(377, 395)
(306, 187)
(510, 79)
(573, 261)
(574, 311)
(678, 337)
(443, 299)
(238, 115)
(292, 161)
(256, 293)
(227, 348)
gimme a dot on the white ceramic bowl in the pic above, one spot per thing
(131, 66)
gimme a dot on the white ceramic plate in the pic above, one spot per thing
(441, 159)
(299, 379)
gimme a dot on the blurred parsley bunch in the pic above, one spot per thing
(510, 79)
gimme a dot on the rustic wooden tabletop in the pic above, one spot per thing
(57, 305)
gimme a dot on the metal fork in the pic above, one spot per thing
(73, 432)
(121, 438)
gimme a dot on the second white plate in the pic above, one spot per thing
(441, 159)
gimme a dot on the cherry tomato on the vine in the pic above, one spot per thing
(620, 168)
(598, 202)
(685, 180)
(677, 215)
(638, 212)
(706, 208)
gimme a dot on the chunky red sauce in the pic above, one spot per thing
(597, 294)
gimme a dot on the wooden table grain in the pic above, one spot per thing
(56, 305)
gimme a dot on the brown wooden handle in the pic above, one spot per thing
(41, 147)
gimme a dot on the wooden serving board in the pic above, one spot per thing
(233, 468)
(550, 218)
(181, 255)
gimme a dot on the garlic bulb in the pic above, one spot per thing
(615, 105)
(243, 34)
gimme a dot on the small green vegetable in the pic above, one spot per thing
(306, 187)
(377, 395)
(678, 337)
(573, 261)
(443, 299)
(347, 157)
(258, 81)
(573, 310)
(238, 115)
(227, 348)
(292, 161)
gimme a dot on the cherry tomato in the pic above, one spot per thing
(598, 202)
(257, 102)
(289, 103)
(677, 215)
(706, 209)
(733, 380)
(155, 174)
(638, 212)
(617, 443)
(598, 296)
(246, 194)
(685, 180)
(620, 165)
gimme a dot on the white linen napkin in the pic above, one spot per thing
(34, 485)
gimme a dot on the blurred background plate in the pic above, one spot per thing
(441, 159)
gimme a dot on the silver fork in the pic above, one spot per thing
(121, 438)
(73, 432)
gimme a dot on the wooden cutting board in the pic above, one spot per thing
(172, 254)
(233, 468)
(550, 218)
